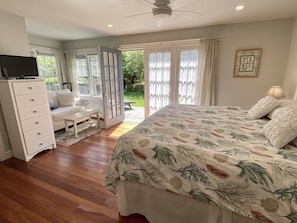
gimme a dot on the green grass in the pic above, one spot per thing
(138, 97)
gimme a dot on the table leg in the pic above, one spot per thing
(66, 128)
(98, 119)
(75, 129)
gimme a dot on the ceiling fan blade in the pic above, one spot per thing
(186, 11)
(184, 14)
(152, 4)
(134, 15)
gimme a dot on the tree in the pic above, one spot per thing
(133, 70)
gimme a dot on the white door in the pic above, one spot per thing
(112, 86)
(158, 80)
(171, 76)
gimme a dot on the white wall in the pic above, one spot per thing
(272, 36)
(14, 38)
(290, 80)
(13, 41)
(45, 42)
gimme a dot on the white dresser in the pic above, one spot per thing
(27, 117)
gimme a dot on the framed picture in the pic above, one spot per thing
(247, 62)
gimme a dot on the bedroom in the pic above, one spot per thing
(276, 37)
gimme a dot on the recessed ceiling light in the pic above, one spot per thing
(109, 26)
(240, 7)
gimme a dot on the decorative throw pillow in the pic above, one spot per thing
(65, 99)
(263, 107)
(52, 105)
(282, 104)
(282, 129)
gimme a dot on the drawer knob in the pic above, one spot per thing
(32, 100)
(38, 133)
(30, 88)
(41, 144)
(36, 123)
(34, 111)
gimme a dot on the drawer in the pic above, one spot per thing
(31, 100)
(37, 134)
(23, 88)
(35, 123)
(39, 144)
(33, 112)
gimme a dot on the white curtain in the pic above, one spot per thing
(61, 65)
(71, 74)
(205, 86)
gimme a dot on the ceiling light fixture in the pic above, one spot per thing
(163, 12)
(240, 7)
(109, 26)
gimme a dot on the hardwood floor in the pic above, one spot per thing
(63, 185)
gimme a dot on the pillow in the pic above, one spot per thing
(65, 99)
(282, 103)
(52, 105)
(263, 107)
(282, 129)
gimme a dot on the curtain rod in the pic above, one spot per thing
(165, 43)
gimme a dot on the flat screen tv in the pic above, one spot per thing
(18, 67)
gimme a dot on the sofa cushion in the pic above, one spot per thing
(61, 112)
(52, 96)
(65, 99)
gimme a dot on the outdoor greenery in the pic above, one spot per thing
(133, 74)
(133, 70)
(138, 97)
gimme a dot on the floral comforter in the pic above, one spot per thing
(214, 155)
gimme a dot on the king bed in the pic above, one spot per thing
(209, 164)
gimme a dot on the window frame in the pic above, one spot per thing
(86, 55)
(38, 51)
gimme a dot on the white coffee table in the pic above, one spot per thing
(82, 118)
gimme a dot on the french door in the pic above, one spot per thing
(112, 86)
(171, 76)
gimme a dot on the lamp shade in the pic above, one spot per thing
(276, 91)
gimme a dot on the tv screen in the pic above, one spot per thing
(18, 66)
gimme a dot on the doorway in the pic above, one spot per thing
(133, 76)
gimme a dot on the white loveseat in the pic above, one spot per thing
(63, 103)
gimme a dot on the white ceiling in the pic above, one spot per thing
(82, 19)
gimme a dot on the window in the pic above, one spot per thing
(87, 73)
(47, 68)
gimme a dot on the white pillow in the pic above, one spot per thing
(282, 103)
(65, 99)
(263, 107)
(282, 129)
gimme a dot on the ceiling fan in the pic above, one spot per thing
(163, 10)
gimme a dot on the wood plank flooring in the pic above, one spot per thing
(63, 185)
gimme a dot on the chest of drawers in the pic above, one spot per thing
(27, 117)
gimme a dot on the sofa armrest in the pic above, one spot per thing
(82, 102)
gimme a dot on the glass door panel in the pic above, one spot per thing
(112, 85)
(159, 67)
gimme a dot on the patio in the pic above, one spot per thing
(136, 114)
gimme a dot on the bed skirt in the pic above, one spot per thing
(166, 207)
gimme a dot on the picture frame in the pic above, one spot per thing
(247, 62)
